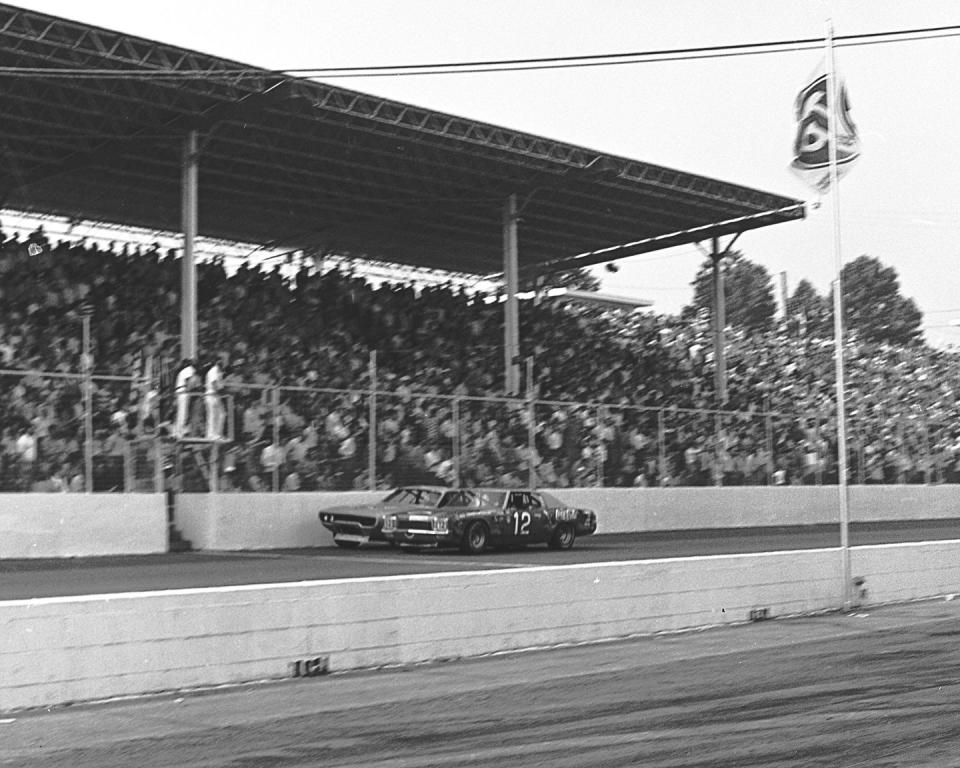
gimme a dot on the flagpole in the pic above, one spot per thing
(833, 112)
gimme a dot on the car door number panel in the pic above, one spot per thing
(521, 523)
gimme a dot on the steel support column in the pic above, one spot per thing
(511, 321)
(188, 295)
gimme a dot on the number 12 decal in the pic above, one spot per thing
(521, 523)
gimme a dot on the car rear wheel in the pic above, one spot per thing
(474, 538)
(563, 537)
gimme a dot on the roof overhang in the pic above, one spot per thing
(94, 126)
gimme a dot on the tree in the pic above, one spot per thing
(748, 291)
(808, 311)
(873, 306)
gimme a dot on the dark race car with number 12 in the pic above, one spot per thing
(475, 518)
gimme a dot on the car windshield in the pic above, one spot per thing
(552, 501)
(421, 497)
(472, 499)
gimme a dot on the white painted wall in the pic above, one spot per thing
(56, 650)
(73, 525)
(623, 510)
(238, 521)
(264, 521)
(901, 572)
(34, 525)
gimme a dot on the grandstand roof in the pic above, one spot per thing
(94, 122)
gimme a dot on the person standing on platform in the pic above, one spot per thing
(213, 386)
(185, 382)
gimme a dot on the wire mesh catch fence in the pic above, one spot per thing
(84, 432)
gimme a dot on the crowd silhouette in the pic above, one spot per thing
(332, 382)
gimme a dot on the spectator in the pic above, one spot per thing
(184, 387)
(651, 372)
(212, 398)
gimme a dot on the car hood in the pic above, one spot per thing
(447, 511)
(375, 509)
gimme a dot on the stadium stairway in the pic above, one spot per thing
(176, 541)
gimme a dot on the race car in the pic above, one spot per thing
(357, 524)
(475, 518)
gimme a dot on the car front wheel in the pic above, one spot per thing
(563, 537)
(474, 538)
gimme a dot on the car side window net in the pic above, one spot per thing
(520, 500)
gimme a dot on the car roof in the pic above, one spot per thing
(478, 488)
(492, 489)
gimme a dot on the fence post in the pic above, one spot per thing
(718, 452)
(601, 448)
(128, 466)
(861, 456)
(372, 426)
(819, 471)
(214, 465)
(455, 415)
(275, 472)
(87, 362)
(531, 426)
(158, 473)
(771, 459)
(661, 447)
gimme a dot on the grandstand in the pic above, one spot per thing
(362, 384)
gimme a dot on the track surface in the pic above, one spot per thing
(875, 690)
(20, 579)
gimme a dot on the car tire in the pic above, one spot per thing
(346, 544)
(563, 537)
(474, 538)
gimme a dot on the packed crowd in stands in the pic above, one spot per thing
(620, 399)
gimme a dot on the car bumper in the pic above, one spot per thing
(354, 531)
(585, 529)
(421, 539)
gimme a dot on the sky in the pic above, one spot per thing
(726, 118)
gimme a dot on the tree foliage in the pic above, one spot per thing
(809, 311)
(748, 291)
(873, 306)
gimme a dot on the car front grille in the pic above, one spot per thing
(358, 519)
(415, 525)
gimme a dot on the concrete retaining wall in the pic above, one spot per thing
(265, 521)
(238, 521)
(34, 525)
(72, 525)
(57, 650)
(901, 572)
(624, 510)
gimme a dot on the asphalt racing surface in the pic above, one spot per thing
(871, 689)
(21, 579)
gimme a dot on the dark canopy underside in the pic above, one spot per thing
(93, 124)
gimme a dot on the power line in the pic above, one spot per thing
(504, 65)
(636, 57)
